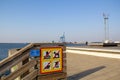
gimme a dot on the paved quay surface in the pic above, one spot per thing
(99, 47)
(87, 67)
(99, 53)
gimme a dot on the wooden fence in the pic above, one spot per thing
(20, 66)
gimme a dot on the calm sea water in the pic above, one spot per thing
(4, 47)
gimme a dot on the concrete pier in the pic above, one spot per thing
(81, 66)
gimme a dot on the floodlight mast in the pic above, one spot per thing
(106, 27)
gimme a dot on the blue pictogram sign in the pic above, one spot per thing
(34, 53)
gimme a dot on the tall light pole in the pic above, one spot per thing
(106, 27)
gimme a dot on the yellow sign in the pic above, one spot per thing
(51, 59)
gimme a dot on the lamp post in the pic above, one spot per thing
(106, 27)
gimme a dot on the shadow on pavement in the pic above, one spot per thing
(84, 73)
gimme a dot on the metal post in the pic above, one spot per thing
(106, 27)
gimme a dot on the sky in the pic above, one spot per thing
(47, 20)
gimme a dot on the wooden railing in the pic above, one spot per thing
(27, 68)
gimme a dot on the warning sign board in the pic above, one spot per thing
(51, 60)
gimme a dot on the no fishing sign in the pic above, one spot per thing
(51, 59)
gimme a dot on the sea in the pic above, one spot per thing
(5, 47)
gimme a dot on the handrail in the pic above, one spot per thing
(8, 62)
(15, 54)
(31, 75)
(21, 70)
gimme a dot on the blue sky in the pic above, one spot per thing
(46, 20)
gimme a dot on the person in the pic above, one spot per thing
(86, 43)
